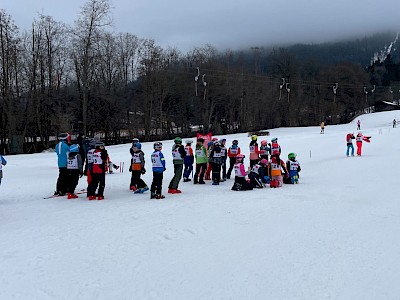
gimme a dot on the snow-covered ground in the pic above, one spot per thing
(333, 236)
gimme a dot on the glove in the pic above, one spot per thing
(130, 168)
(143, 170)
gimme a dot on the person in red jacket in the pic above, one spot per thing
(360, 138)
(98, 172)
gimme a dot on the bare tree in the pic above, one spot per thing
(9, 86)
(94, 17)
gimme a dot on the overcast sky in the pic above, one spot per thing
(233, 24)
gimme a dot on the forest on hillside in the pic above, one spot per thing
(86, 78)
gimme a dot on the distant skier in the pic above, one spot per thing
(360, 138)
(349, 141)
(158, 167)
(322, 127)
(394, 123)
(3, 162)
(358, 125)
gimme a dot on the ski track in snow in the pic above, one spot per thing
(333, 236)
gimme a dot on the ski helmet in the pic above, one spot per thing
(292, 155)
(264, 142)
(235, 142)
(178, 140)
(138, 145)
(74, 148)
(240, 158)
(223, 141)
(200, 140)
(189, 142)
(254, 137)
(63, 136)
(264, 161)
(135, 140)
(274, 140)
(99, 144)
(157, 146)
(214, 139)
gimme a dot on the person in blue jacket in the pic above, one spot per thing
(3, 162)
(62, 150)
(158, 167)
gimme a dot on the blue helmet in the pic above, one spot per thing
(74, 148)
(138, 145)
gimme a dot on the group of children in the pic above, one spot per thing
(211, 164)
(262, 171)
(71, 159)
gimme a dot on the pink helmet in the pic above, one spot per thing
(264, 143)
(240, 157)
(264, 161)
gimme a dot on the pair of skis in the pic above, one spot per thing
(83, 191)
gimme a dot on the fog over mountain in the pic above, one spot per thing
(227, 24)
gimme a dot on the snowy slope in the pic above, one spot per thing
(333, 236)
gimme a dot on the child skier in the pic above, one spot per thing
(89, 162)
(257, 176)
(62, 149)
(98, 172)
(75, 170)
(233, 151)
(137, 185)
(216, 160)
(224, 155)
(210, 145)
(178, 154)
(3, 162)
(275, 148)
(349, 141)
(264, 149)
(201, 162)
(254, 151)
(188, 161)
(360, 138)
(275, 167)
(293, 166)
(158, 167)
(240, 183)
